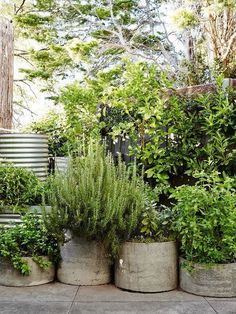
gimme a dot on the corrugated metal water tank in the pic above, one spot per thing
(26, 151)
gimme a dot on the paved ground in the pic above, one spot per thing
(58, 298)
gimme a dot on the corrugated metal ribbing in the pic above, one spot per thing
(25, 150)
(9, 220)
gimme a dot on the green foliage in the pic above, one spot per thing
(28, 239)
(19, 187)
(174, 135)
(116, 24)
(48, 62)
(96, 199)
(80, 50)
(155, 223)
(54, 126)
(184, 18)
(35, 26)
(102, 13)
(171, 135)
(205, 219)
(45, 4)
(80, 105)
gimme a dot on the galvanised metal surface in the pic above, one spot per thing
(9, 220)
(25, 150)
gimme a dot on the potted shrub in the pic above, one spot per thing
(91, 200)
(147, 262)
(206, 225)
(19, 190)
(27, 253)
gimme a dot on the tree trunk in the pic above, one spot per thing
(6, 73)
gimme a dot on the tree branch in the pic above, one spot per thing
(20, 7)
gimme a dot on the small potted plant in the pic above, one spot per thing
(28, 253)
(147, 261)
(206, 226)
(90, 201)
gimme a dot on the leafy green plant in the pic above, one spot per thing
(96, 199)
(205, 219)
(80, 103)
(19, 187)
(28, 239)
(155, 222)
(173, 135)
(54, 126)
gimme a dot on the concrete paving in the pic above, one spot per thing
(57, 298)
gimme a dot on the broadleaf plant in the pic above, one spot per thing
(205, 219)
(28, 239)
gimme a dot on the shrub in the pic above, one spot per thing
(29, 239)
(155, 221)
(172, 135)
(19, 187)
(206, 220)
(96, 198)
(54, 126)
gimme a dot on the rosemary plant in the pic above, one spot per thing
(96, 198)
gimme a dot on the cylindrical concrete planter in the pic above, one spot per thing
(147, 267)
(61, 164)
(84, 263)
(38, 209)
(9, 276)
(213, 281)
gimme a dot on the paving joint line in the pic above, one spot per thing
(73, 301)
(140, 301)
(211, 306)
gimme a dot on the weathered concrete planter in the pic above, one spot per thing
(147, 267)
(213, 281)
(84, 263)
(9, 276)
(38, 209)
(61, 164)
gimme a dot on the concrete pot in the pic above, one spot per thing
(213, 281)
(61, 164)
(84, 263)
(38, 209)
(10, 276)
(147, 267)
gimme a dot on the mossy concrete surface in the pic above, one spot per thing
(84, 263)
(209, 280)
(9, 276)
(147, 267)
